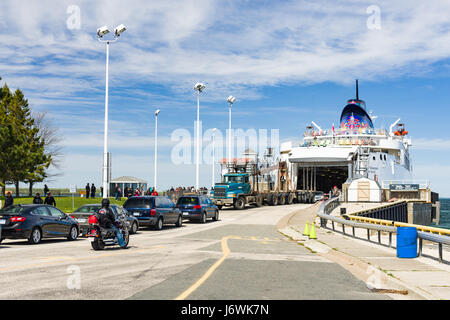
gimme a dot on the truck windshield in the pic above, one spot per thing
(233, 179)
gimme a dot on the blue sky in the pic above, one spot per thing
(287, 63)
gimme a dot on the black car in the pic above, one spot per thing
(198, 207)
(83, 213)
(36, 221)
(154, 211)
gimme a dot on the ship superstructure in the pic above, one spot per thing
(356, 149)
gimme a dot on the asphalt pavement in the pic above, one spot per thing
(241, 256)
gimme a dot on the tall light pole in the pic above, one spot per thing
(106, 168)
(199, 87)
(156, 146)
(213, 156)
(230, 100)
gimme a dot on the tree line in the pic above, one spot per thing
(28, 142)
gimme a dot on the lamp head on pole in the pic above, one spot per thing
(199, 87)
(102, 31)
(119, 30)
(231, 99)
(157, 112)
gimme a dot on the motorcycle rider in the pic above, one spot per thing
(107, 220)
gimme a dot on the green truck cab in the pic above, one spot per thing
(232, 190)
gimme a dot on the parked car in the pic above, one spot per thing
(83, 213)
(154, 211)
(319, 196)
(198, 208)
(35, 222)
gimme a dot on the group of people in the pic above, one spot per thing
(49, 199)
(129, 192)
(91, 190)
(186, 189)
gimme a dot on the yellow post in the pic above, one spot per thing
(306, 232)
(312, 234)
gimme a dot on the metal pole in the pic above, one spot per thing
(213, 160)
(105, 151)
(198, 144)
(156, 150)
(229, 132)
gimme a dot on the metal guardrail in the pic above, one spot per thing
(394, 214)
(329, 205)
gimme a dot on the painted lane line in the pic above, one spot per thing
(226, 252)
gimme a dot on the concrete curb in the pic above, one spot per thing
(372, 275)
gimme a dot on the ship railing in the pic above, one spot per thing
(342, 133)
(379, 225)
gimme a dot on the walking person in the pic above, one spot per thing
(37, 199)
(50, 200)
(46, 190)
(88, 191)
(93, 189)
(9, 200)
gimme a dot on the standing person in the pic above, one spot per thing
(50, 200)
(93, 189)
(9, 200)
(154, 193)
(101, 191)
(118, 192)
(46, 190)
(88, 191)
(37, 199)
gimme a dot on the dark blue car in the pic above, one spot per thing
(198, 208)
(36, 221)
(154, 211)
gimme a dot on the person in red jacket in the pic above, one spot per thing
(154, 193)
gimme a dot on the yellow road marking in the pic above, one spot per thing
(226, 252)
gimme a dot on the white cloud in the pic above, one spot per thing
(232, 46)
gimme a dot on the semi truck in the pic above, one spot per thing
(245, 181)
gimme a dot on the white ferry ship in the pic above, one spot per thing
(355, 150)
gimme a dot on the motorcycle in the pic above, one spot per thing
(102, 237)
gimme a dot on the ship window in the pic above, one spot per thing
(381, 157)
(373, 158)
(384, 157)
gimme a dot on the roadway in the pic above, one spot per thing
(241, 256)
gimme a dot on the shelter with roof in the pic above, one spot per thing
(126, 181)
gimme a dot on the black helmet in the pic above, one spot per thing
(105, 203)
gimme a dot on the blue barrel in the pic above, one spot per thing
(406, 242)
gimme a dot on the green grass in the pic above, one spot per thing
(65, 203)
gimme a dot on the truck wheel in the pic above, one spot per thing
(282, 199)
(275, 198)
(239, 204)
(259, 201)
(290, 198)
(270, 199)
